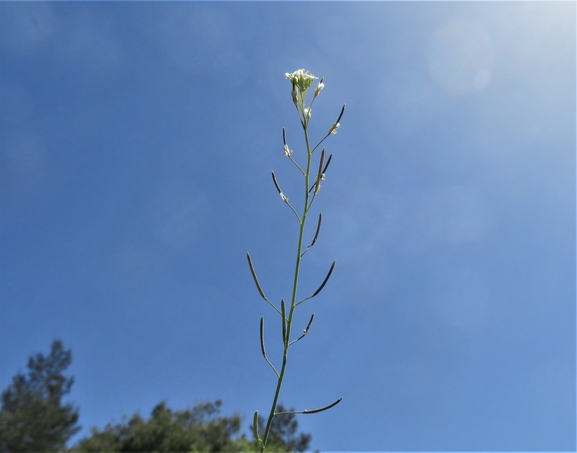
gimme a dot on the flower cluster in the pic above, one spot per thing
(301, 79)
(301, 82)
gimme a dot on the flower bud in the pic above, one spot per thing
(319, 87)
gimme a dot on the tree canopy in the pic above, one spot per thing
(33, 416)
(197, 430)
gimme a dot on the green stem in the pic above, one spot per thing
(302, 222)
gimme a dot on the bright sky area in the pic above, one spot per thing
(137, 141)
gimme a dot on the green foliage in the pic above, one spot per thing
(200, 430)
(197, 430)
(32, 417)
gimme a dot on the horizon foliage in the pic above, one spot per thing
(33, 418)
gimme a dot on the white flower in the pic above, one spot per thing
(318, 89)
(333, 129)
(301, 79)
(287, 151)
(307, 112)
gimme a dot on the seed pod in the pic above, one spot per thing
(325, 280)
(255, 426)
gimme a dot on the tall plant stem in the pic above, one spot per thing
(302, 222)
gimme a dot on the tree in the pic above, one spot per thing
(33, 417)
(200, 430)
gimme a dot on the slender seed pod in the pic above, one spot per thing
(276, 183)
(309, 325)
(262, 348)
(314, 411)
(327, 164)
(318, 229)
(325, 280)
(283, 316)
(342, 112)
(285, 199)
(320, 173)
(255, 426)
(256, 282)
(261, 292)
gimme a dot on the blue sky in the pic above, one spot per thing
(137, 141)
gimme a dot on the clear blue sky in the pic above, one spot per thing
(137, 141)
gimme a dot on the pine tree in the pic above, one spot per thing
(33, 417)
